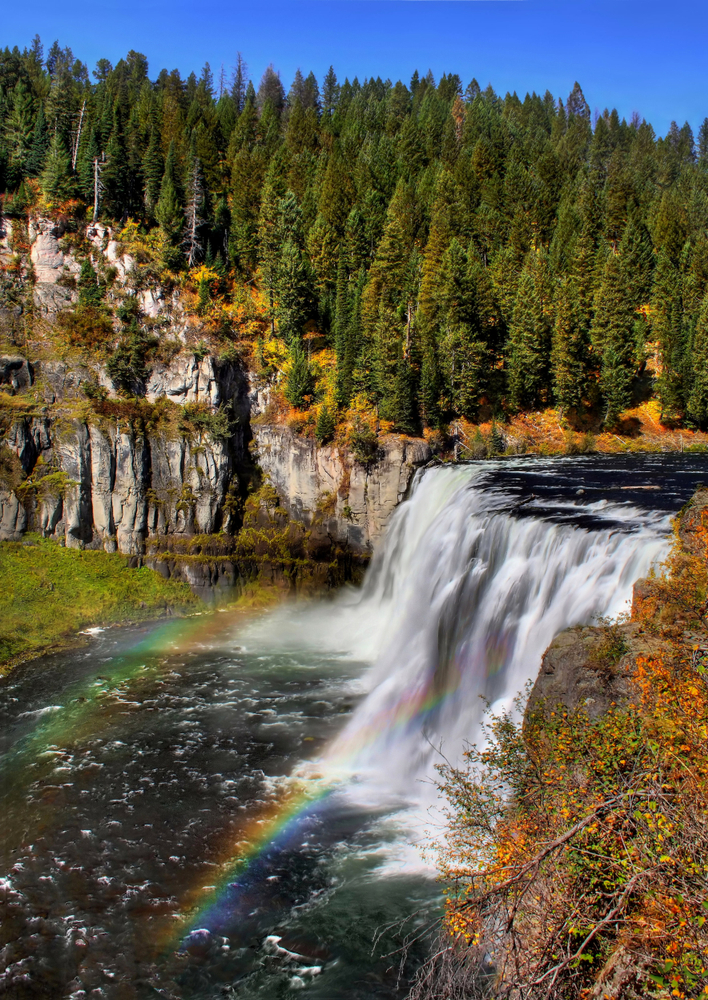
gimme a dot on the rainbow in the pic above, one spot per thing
(90, 703)
(207, 907)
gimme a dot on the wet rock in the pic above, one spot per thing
(199, 943)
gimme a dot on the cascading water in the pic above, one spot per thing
(225, 808)
(467, 591)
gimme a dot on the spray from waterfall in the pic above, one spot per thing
(468, 589)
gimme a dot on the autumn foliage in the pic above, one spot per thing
(576, 858)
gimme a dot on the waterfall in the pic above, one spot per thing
(468, 589)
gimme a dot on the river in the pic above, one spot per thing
(236, 806)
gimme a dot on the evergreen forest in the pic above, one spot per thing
(456, 251)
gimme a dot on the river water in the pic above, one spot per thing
(234, 806)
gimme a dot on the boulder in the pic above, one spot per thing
(15, 373)
(590, 669)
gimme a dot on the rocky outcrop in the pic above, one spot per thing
(15, 373)
(589, 669)
(186, 379)
(108, 485)
(48, 259)
(351, 502)
(103, 240)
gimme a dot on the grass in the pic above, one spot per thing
(49, 592)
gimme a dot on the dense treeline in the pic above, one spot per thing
(457, 249)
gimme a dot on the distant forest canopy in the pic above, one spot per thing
(454, 248)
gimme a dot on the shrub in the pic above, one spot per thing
(198, 417)
(128, 367)
(87, 327)
(363, 443)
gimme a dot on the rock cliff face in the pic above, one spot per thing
(106, 485)
(104, 476)
(353, 502)
(589, 669)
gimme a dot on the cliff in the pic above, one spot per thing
(163, 473)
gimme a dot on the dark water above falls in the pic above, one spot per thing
(232, 807)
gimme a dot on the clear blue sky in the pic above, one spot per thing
(649, 56)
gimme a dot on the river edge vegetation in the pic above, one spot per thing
(575, 854)
(395, 256)
(50, 592)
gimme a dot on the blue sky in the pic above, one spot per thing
(648, 56)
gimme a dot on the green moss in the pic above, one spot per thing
(50, 592)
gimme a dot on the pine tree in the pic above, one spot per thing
(56, 181)
(168, 210)
(292, 288)
(239, 83)
(404, 411)
(325, 426)
(613, 340)
(430, 384)
(299, 384)
(528, 348)
(669, 331)
(153, 171)
(115, 174)
(90, 291)
(40, 144)
(330, 93)
(569, 361)
(698, 399)
(19, 133)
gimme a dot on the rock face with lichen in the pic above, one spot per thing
(81, 463)
(353, 502)
(589, 669)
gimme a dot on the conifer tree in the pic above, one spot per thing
(56, 179)
(569, 360)
(404, 411)
(115, 175)
(168, 210)
(330, 93)
(153, 171)
(299, 384)
(292, 288)
(669, 331)
(325, 426)
(698, 399)
(430, 384)
(528, 348)
(19, 133)
(40, 144)
(612, 336)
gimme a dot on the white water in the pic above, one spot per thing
(461, 600)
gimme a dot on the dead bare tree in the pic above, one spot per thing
(192, 241)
